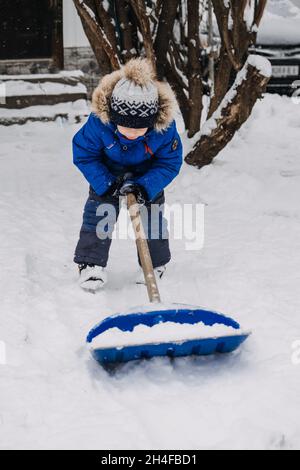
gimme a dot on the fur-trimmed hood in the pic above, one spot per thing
(140, 71)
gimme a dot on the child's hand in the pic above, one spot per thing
(115, 189)
(130, 187)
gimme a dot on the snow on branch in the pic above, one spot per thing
(261, 65)
(233, 111)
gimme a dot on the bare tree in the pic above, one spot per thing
(238, 23)
(194, 69)
(167, 32)
(232, 113)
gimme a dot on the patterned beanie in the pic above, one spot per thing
(134, 102)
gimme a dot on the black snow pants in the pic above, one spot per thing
(95, 240)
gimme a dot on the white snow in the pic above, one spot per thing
(72, 109)
(23, 88)
(53, 395)
(262, 64)
(43, 76)
(281, 23)
(160, 333)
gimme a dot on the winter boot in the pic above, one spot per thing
(159, 273)
(92, 278)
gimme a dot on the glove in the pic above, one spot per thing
(114, 190)
(131, 187)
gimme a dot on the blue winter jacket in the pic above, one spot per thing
(102, 154)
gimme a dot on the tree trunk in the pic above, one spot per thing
(180, 93)
(164, 34)
(234, 110)
(222, 81)
(139, 7)
(235, 45)
(194, 68)
(96, 35)
(104, 19)
(123, 12)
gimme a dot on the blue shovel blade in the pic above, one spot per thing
(178, 314)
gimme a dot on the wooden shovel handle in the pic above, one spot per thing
(143, 249)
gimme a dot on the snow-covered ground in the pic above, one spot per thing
(53, 395)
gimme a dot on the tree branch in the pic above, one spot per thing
(88, 17)
(194, 70)
(260, 12)
(164, 34)
(122, 7)
(222, 15)
(106, 21)
(139, 7)
(234, 110)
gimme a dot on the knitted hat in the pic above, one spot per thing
(140, 71)
(134, 102)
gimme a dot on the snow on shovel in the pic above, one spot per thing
(159, 329)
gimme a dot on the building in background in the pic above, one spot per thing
(47, 67)
(42, 36)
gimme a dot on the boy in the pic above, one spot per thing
(129, 144)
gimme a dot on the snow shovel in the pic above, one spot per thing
(159, 329)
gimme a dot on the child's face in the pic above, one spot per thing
(130, 133)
